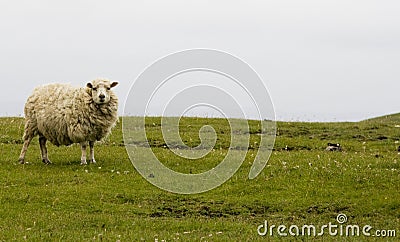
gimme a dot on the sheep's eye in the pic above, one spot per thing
(108, 88)
(94, 89)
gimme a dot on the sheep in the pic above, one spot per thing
(64, 115)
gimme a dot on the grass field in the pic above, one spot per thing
(302, 185)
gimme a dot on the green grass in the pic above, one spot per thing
(110, 201)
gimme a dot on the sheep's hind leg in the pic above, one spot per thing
(43, 149)
(91, 146)
(27, 141)
(83, 157)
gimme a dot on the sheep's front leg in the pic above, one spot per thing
(43, 149)
(91, 146)
(83, 157)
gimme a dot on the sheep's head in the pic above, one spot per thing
(100, 90)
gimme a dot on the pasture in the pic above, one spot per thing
(301, 184)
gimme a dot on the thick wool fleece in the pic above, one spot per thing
(64, 114)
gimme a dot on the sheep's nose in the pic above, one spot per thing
(102, 96)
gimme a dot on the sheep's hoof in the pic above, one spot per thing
(21, 160)
(92, 161)
(83, 162)
(46, 161)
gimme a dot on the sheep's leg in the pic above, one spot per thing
(28, 139)
(43, 149)
(83, 157)
(91, 146)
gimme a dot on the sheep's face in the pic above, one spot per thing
(100, 90)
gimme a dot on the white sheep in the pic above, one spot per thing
(65, 115)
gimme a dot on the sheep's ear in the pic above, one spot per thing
(113, 84)
(89, 85)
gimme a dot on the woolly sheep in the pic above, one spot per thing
(64, 115)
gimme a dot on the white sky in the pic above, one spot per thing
(321, 60)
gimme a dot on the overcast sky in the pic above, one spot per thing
(320, 60)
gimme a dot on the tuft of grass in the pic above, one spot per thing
(302, 184)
